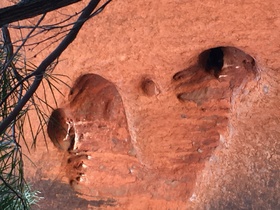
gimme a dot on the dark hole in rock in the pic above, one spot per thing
(222, 61)
(232, 67)
(212, 60)
(58, 128)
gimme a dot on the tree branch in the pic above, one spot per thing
(31, 9)
(39, 72)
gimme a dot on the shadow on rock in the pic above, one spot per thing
(57, 195)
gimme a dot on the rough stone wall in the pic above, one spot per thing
(139, 46)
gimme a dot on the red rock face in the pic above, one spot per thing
(103, 161)
(188, 131)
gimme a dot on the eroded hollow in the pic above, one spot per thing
(149, 87)
(93, 104)
(208, 89)
(232, 67)
(227, 61)
(60, 131)
(212, 60)
(91, 123)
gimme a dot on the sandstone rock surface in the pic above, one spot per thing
(149, 126)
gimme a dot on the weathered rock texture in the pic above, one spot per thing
(159, 126)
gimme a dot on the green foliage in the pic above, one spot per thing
(15, 80)
(15, 193)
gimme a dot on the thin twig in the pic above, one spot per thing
(24, 41)
(31, 9)
(52, 26)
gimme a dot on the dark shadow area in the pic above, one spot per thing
(57, 195)
(250, 193)
(219, 60)
(212, 60)
(59, 131)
